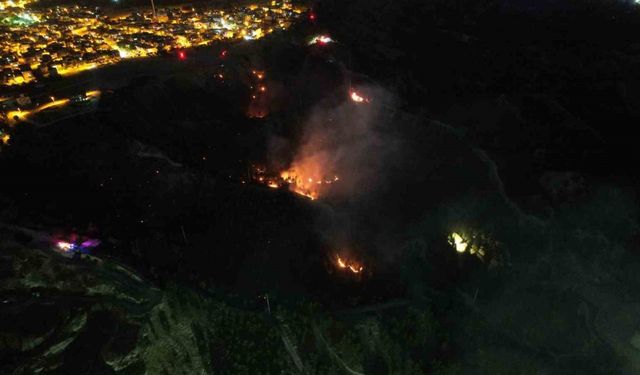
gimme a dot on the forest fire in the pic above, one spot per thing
(358, 98)
(348, 265)
(305, 184)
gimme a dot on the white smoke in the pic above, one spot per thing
(349, 141)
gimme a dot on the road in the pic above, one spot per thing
(110, 77)
(13, 117)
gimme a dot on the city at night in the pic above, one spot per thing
(311, 187)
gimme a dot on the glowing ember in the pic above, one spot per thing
(354, 270)
(259, 104)
(358, 98)
(348, 265)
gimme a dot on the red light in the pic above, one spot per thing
(223, 54)
(182, 55)
(312, 16)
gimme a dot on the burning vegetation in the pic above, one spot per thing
(296, 180)
(348, 265)
(357, 98)
(308, 184)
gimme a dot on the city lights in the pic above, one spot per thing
(67, 40)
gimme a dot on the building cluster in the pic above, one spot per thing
(62, 40)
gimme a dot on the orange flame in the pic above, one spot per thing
(358, 98)
(346, 265)
(305, 184)
(301, 184)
